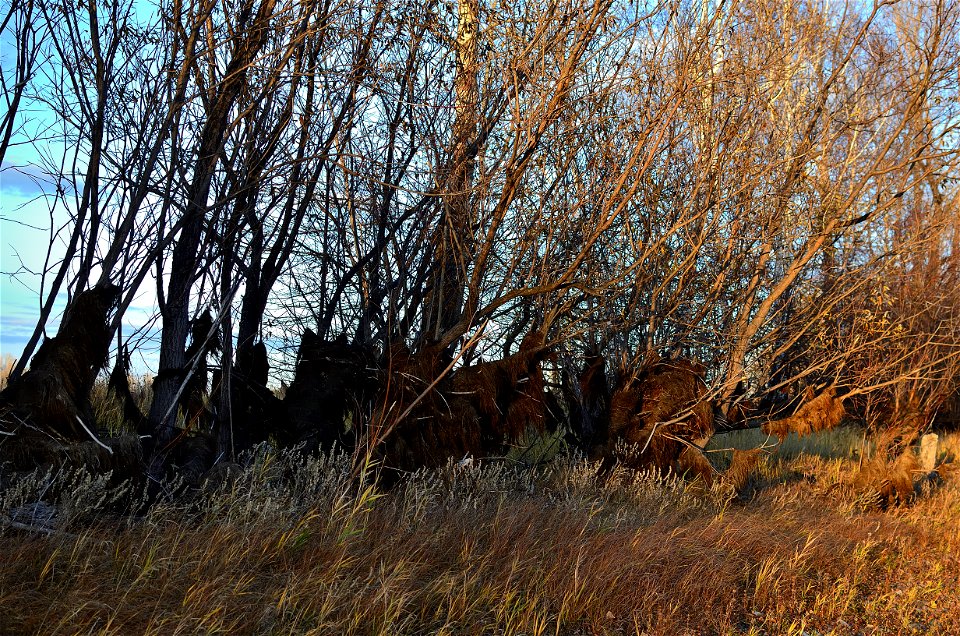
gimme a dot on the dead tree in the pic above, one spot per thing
(54, 394)
(196, 392)
(329, 395)
(254, 411)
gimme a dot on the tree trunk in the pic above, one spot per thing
(453, 239)
(175, 313)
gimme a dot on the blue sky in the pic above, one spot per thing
(24, 240)
(25, 216)
(24, 222)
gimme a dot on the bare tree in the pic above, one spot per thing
(19, 25)
(249, 29)
(115, 116)
(737, 184)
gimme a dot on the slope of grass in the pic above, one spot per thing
(298, 545)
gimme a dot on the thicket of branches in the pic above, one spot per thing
(766, 188)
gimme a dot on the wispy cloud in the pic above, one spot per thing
(26, 181)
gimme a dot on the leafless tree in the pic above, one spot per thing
(763, 188)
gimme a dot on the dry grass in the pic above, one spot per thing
(296, 545)
(7, 362)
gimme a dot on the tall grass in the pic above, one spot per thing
(300, 544)
(291, 543)
(842, 442)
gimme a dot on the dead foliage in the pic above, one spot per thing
(477, 410)
(508, 395)
(221, 477)
(693, 463)
(886, 482)
(418, 420)
(817, 413)
(7, 363)
(657, 413)
(191, 457)
(332, 387)
(55, 393)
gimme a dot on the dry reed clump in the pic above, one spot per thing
(316, 550)
(7, 362)
(743, 465)
(61, 499)
(472, 486)
(818, 413)
(883, 483)
(508, 395)
(266, 485)
(275, 486)
(425, 414)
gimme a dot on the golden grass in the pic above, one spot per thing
(7, 362)
(296, 545)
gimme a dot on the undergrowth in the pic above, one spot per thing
(292, 543)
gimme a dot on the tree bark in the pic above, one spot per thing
(251, 36)
(453, 239)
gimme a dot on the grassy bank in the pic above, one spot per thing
(295, 545)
